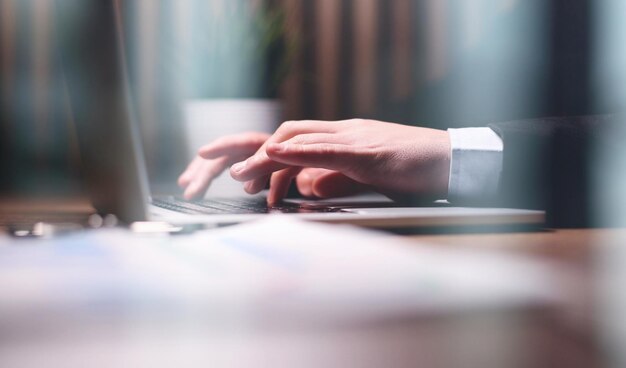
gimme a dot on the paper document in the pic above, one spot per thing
(276, 263)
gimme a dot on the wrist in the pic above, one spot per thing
(430, 167)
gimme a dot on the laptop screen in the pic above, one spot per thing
(89, 40)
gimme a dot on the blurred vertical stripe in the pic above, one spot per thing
(328, 16)
(436, 35)
(292, 88)
(183, 33)
(365, 60)
(402, 42)
(21, 108)
(42, 63)
(7, 60)
(145, 16)
(7, 46)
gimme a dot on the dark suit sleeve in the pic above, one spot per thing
(547, 164)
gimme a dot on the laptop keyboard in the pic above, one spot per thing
(217, 206)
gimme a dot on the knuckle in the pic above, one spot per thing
(298, 140)
(254, 161)
(327, 149)
(288, 125)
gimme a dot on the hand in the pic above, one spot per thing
(324, 183)
(215, 157)
(391, 158)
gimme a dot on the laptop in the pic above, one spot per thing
(89, 37)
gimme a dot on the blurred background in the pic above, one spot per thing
(202, 68)
(434, 63)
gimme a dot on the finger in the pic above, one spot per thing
(324, 155)
(302, 132)
(188, 175)
(290, 129)
(304, 180)
(234, 145)
(334, 184)
(279, 184)
(256, 166)
(256, 185)
(209, 171)
(280, 156)
(313, 138)
(203, 179)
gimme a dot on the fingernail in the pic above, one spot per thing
(190, 192)
(238, 166)
(247, 186)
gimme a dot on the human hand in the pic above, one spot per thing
(216, 156)
(394, 159)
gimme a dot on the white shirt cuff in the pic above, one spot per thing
(475, 165)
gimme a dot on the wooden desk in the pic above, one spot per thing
(20, 211)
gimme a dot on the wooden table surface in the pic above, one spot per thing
(580, 257)
(25, 211)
